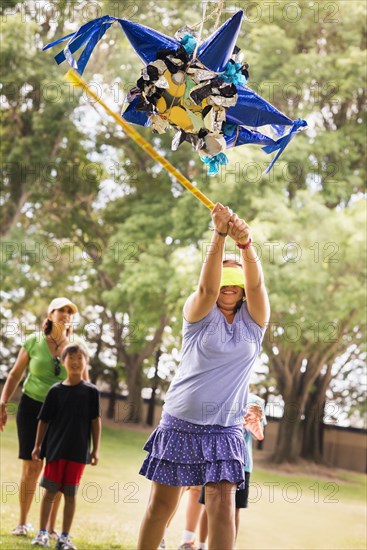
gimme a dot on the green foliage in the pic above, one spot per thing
(128, 239)
(313, 258)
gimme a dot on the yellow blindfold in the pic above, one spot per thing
(231, 276)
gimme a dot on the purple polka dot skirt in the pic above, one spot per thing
(184, 454)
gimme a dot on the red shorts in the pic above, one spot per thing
(62, 475)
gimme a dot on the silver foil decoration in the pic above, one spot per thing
(162, 82)
(176, 142)
(158, 124)
(160, 65)
(223, 101)
(214, 144)
(182, 31)
(201, 75)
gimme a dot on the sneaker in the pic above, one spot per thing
(42, 539)
(64, 543)
(54, 535)
(162, 545)
(20, 531)
(187, 546)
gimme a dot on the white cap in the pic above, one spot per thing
(58, 303)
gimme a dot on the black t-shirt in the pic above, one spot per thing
(69, 411)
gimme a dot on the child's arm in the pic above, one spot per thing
(253, 421)
(96, 438)
(41, 432)
(254, 413)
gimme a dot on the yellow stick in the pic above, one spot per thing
(77, 80)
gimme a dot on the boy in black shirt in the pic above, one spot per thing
(70, 415)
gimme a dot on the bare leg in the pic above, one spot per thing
(46, 505)
(237, 521)
(162, 503)
(203, 525)
(177, 505)
(194, 509)
(69, 511)
(220, 507)
(53, 513)
(30, 473)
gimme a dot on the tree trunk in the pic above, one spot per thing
(298, 374)
(289, 434)
(111, 404)
(151, 407)
(313, 435)
(134, 368)
(114, 384)
(312, 446)
(134, 384)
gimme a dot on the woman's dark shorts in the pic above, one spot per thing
(241, 494)
(27, 422)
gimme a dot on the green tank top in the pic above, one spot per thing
(41, 368)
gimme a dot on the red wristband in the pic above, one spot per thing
(244, 246)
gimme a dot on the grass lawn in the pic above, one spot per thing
(287, 510)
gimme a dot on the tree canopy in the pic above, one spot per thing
(88, 215)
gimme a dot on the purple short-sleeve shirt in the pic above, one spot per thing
(211, 383)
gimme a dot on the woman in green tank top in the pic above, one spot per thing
(40, 356)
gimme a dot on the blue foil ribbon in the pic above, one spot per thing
(282, 143)
(233, 74)
(189, 43)
(145, 41)
(229, 129)
(213, 163)
(88, 35)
